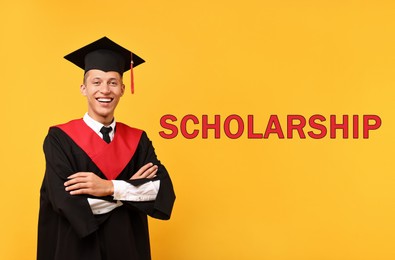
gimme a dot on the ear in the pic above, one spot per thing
(122, 89)
(83, 89)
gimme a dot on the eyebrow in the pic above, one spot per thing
(104, 79)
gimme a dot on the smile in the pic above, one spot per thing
(104, 100)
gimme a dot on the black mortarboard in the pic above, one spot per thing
(105, 55)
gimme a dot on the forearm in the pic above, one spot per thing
(124, 191)
(88, 183)
(128, 192)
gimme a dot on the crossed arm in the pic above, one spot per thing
(91, 184)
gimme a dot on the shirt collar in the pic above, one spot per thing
(96, 126)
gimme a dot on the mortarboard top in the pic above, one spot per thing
(105, 55)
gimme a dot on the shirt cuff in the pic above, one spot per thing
(99, 206)
(127, 192)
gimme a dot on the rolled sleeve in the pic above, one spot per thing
(126, 192)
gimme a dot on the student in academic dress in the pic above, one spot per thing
(102, 177)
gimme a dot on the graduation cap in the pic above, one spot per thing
(105, 55)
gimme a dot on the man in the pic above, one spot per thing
(102, 177)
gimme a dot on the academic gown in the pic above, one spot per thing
(67, 228)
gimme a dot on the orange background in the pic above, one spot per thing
(275, 199)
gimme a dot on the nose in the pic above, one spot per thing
(104, 88)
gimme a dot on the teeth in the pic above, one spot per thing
(104, 100)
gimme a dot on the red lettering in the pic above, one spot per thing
(171, 127)
(251, 134)
(314, 125)
(234, 125)
(240, 126)
(298, 127)
(216, 126)
(183, 126)
(355, 129)
(367, 127)
(343, 126)
(273, 120)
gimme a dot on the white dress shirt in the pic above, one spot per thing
(122, 190)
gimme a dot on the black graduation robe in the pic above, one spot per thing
(67, 228)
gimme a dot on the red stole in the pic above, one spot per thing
(110, 158)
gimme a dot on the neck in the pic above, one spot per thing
(106, 121)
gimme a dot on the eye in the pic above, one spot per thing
(113, 83)
(96, 83)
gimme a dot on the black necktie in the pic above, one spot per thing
(105, 131)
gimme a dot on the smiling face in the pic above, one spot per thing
(103, 91)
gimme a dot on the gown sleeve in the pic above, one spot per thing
(162, 206)
(75, 209)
